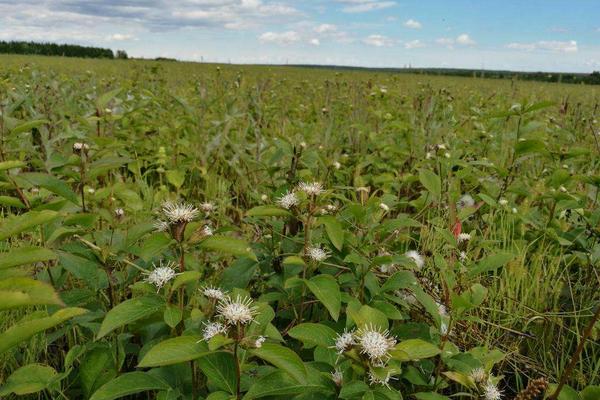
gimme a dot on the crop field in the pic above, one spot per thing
(190, 231)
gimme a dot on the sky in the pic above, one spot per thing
(525, 35)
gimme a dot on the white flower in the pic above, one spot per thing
(80, 146)
(162, 274)
(514, 210)
(179, 212)
(337, 165)
(337, 377)
(375, 344)
(384, 207)
(462, 256)
(288, 200)
(428, 155)
(317, 254)
(344, 341)
(119, 212)
(442, 310)
(213, 293)
(465, 201)
(491, 392)
(416, 257)
(443, 328)
(463, 237)
(238, 311)
(264, 197)
(479, 375)
(447, 155)
(363, 189)
(207, 207)
(375, 379)
(503, 202)
(161, 226)
(562, 189)
(259, 342)
(212, 329)
(311, 189)
(207, 230)
(303, 144)
(91, 190)
(441, 146)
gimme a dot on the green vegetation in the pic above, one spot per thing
(194, 231)
(55, 49)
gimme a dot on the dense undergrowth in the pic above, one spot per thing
(180, 231)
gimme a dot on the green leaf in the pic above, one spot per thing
(491, 263)
(24, 330)
(175, 177)
(21, 223)
(18, 292)
(430, 396)
(130, 311)
(185, 278)
(530, 146)
(368, 316)
(228, 245)
(283, 358)
(268, 211)
(220, 370)
(10, 201)
(52, 184)
(400, 280)
(277, 383)
(567, 392)
(311, 335)
(326, 289)
(4, 165)
(172, 315)
(28, 379)
(173, 351)
(413, 350)
(129, 383)
(103, 100)
(28, 126)
(431, 182)
(334, 230)
(153, 246)
(25, 255)
(590, 393)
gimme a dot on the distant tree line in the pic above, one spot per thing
(564, 77)
(54, 49)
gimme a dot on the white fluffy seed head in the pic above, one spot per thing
(317, 254)
(162, 274)
(344, 341)
(503, 202)
(479, 375)
(416, 257)
(491, 392)
(463, 237)
(236, 311)
(288, 200)
(337, 165)
(213, 293)
(311, 188)
(465, 201)
(212, 329)
(179, 212)
(375, 344)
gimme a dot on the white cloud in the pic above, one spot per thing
(325, 28)
(281, 38)
(465, 40)
(358, 6)
(445, 41)
(412, 24)
(378, 41)
(315, 42)
(548, 45)
(413, 44)
(118, 37)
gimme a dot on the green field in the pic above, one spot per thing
(450, 225)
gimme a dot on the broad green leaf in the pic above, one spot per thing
(24, 330)
(185, 278)
(220, 370)
(283, 358)
(430, 396)
(175, 177)
(129, 383)
(311, 334)
(326, 289)
(590, 393)
(530, 146)
(567, 392)
(400, 280)
(103, 100)
(413, 350)
(4, 165)
(52, 184)
(277, 383)
(228, 245)
(267, 211)
(334, 230)
(173, 351)
(130, 311)
(172, 315)
(491, 263)
(368, 316)
(19, 292)
(28, 379)
(153, 246)
(25, 255)
(431, 182)
(9, 201)
(17, 224)
(28, 126)
(461, 378)
(293, 260)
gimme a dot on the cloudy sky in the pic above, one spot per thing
(546, 35)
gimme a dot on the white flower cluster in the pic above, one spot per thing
(78, 146)
(161, 275)
(311, 188)
(236, 311)
(372, 341)
(317, 254)
(288, 200)
(179, 212)
(465, 201)
(213, 293)
(212, 329)
(416, 257)
(482, 379)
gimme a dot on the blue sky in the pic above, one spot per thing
(550, 35)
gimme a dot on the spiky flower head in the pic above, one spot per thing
(119, 212)
(463, 237)
(491, 392)
(237, 311)
(79, 146)
(503, 202)
(311, 188)
(375, 379)
(337, 165)
(212, 329)
(416, 257)
(465, 201)
(162, 274)
(317, 254)
(161, 226)
(384, 207)
(375, 344)
(207, 207)
(337, 377)
(179, 212)
(288, 200)
(479, 375)
(344, 341)
(207, 230)
(259, 341)
(213, 293)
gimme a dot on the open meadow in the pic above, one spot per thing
(176, 230)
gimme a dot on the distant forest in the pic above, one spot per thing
(561, 77)
(54, 49)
